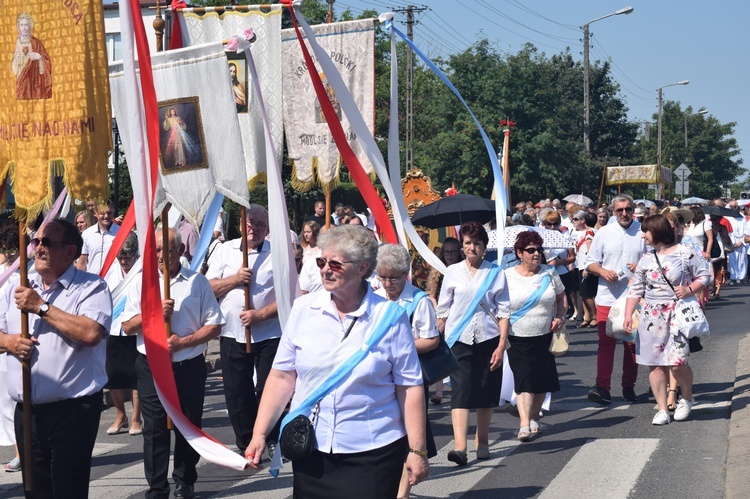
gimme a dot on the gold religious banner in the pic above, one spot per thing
(638, 174)
(54, 100)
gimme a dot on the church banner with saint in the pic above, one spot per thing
(314, 156)
(54, 100)
(214, 27)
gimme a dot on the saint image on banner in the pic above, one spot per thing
(182, 141)
(239, 75)
(319, 116)
(31, 63)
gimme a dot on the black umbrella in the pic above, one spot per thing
(454, 210)
(720, 211)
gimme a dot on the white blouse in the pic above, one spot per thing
(538, 320)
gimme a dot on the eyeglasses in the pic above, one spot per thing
(450, 252)
(332, 264)
(10, 251)
(256, 225)
(46, 242)
(547, 224)
(629, 209)
(531, 251)
(392, 280)
(577, 219)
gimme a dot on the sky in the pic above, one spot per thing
(659, 43)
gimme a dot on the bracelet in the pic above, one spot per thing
(420, 453)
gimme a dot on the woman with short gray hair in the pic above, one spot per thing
(356, 244)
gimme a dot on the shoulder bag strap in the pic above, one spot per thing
(663, 274)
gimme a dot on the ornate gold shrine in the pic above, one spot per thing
(417, 190)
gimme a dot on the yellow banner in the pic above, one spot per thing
(638, 174)
(54, 100)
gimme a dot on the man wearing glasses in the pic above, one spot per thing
(614, 253)
(228, 277)
(69, 313)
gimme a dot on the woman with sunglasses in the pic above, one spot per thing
(534, 370)
(450, 253)
(659, 344)
(393, 268)
(473, 312)
(374, 417)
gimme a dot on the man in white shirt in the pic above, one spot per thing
(195, 320)
(737, 261)
(97, 239)
(613, 256)
(228, 277)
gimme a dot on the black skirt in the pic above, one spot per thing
(533, 366)
(570, 281)
(120, 365)
(589, 286)
(373, 474)
(474, 386)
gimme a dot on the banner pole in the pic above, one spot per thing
(601, 186)
(246, 286)
(28, 455)
(166, 277)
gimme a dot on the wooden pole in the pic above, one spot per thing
(246, 286)
(327, 190)
(28, 458)
(601, 187)
(166, 277)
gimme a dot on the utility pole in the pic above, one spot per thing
(408, 145)
(329, 17)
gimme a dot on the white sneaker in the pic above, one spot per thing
(683, 409)
(661, 418)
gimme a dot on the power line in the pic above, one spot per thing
(533, 12)
(505, 16)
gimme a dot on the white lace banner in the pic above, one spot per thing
(311, 149)
(214, 27)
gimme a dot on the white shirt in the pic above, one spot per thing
(96, 244)
(60, 368)
(113, 278)
(613, 248)
(228, 262)
(309, 277)
(423, 320)
(194, 307)
(362, 413)
(538, 320)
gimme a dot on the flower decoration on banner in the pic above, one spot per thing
(239, 43)
(509, 123)
(451, 191)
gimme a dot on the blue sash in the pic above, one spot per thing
(494, 270)
(533, 298)
(415, 299)
(389, 317)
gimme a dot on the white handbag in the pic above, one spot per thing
(616, 318)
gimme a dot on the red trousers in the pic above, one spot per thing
(605, 359)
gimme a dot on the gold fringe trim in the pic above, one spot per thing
(257, 179)
(299, 185)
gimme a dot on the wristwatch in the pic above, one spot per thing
(43, 309)
(420, 453)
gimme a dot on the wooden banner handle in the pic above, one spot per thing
(165, 273)
(28, 456)
(246, 286)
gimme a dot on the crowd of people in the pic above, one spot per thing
(359, 312)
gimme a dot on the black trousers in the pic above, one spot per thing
(63, 435)
(240, 393)
(190, 377)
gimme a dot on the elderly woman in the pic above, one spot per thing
(393, 268)
(537, 305)
(473, 311)
(309, 240)
(450, 253)
(121, 350)
(659, 344)
(371, 420)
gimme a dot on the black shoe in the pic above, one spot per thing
(183, 491)
(629, 394)
(271, 448)
(458, 457)
(599, 396)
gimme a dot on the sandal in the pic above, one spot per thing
(524, 434)
(13, 466)
(673, 406)
(535, 428)
(116, 429)
(593, 323)
(436, 399)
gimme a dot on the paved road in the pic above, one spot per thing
(584, 452)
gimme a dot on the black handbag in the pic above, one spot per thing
(438, 363)
(298, 438)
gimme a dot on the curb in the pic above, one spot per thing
(738, 453)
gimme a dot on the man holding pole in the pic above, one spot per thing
(195, 319)
(70, 312)
(228, 276)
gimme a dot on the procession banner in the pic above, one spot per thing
(54, 100)
(214, 27)
(200, 146)
(638, 174)
(312, 151)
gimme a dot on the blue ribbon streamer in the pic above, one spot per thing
(483, 288)
(499, 189)
(207, 232)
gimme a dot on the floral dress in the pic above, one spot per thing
(659, 343)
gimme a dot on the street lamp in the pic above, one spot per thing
(658, 133)
(586, 117)
(702, 110)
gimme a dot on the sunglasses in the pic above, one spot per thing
(624, 210)
(450, 252)
(577, 219)
(531, 251)
(546, 224)
(332, 264)
(46, 242)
